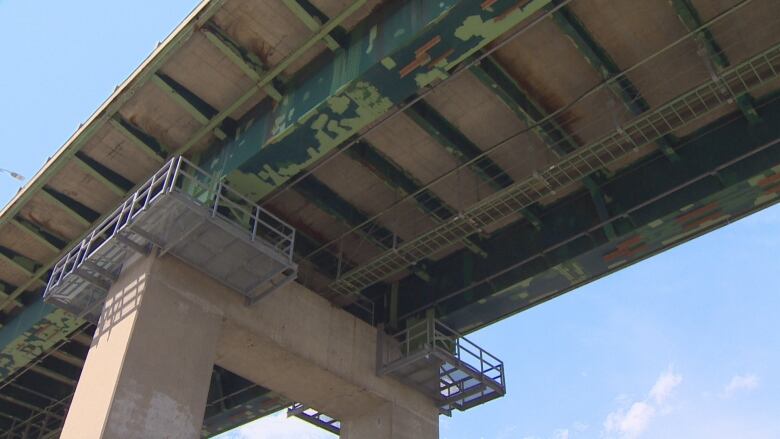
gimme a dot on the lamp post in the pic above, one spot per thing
(14, 175)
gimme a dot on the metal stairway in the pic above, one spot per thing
(438, 361)
(184, 211)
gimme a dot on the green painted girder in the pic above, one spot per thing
(146, 142)
(115, 182)
(692, 21)
(38, 233)
(598, 57)
(332, 203)
(667, 204)
(600, 203)
(81, 213)
(388, 59)
(490, 73)
(246, 60)
(199, 109)
(313, 19)
(399, 180)
(31, 333)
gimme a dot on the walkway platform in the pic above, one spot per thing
(184, 211)
(435, 359)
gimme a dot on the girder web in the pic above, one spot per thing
(622, 142)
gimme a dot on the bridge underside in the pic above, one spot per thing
(474, 158)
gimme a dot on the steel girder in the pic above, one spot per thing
(388, 59)
(732, 169)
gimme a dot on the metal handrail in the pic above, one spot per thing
(178, 175)
(423, 335)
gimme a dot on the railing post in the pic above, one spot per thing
(149, 191)
(254, 226)
(216, 200)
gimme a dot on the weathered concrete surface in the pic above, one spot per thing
(296, 343)
(390, 421)
(147, 372)
(164, 326)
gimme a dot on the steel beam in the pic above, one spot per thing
(312, 18)
(68, 358)
(730, 172)
(43, 237)
(490, 73)
(82, 214)
(332, 102)
(54, 375)
(714, 55)
(23, 264)
(457, 144)
(332, 203)
(147, 143)
(463, 149)
(113, 181)
(599, 59)
(496, 79)
(673, 115)
(248, 62)
(199, 109)
(399, 180)
(599, 201)
(272, 74)
(5, 291)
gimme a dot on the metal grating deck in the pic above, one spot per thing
(314, 417)
(438, 361)
(184, 211)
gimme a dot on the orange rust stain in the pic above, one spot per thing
(487, 4)
(696, 224)
(421, 56)
(428, 46)
(696, 212)
(626, 249)
(768, 181)
(435, 62)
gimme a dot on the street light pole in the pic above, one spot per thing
(14, 175)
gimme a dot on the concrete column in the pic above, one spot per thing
(296, 343)
(164, 326)
(390, 421)
(148, 370)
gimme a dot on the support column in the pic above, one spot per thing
(166, 323)
(298, 344)
(391, 421)
(148, 370)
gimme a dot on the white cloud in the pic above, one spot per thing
(664, 386)
(739, 383)
(561, 434)
(631, 423)
(277, 426)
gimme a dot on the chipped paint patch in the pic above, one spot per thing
(388, 63)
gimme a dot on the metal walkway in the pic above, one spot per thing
(438, 361)
(314, 417)
(184, 211)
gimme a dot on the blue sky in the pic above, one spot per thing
(685, 344)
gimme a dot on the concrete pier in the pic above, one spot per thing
(166, 324)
